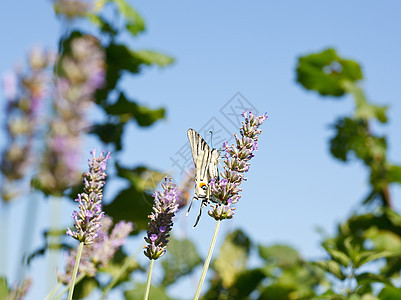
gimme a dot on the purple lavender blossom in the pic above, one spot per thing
(10, 85)
(87, 219)
(25, 92)
(161, 220)
(98, 254)
(19, 291)
(83, 70)
(226, 190)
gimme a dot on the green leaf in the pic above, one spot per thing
(134, 203)
(395, 173)
(109, 133)
(156, 292)
(180, 259)
(370, 255)
(325, 72)
(128, 110)
(131, 205)
(153, 58)
(141, 177)
(351, 248)
(85, 287)
(281, 255)
(338, 256)
(3, 288)
(353, 137)
(246, 283)
(330, 296)
(116, 265)
(390, 293)
(332, 267)
(274, 292)
(384, 240)
(134, 22)
(102, 24)
(369, 278)
(368, 297)
(232, 257)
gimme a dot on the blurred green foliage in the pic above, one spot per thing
(362, 260)
(325, 72)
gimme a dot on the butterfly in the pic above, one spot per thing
(206, 166)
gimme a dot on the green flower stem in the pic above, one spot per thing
(54, 239)
(79, 278)
(115, 279)
(27, 236)
(127, 263)
(145, 297)
(4, 238)
(207, 261)
(75, 272)
(52, 292)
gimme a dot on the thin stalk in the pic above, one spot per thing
(54, 240)
(31, 216)
(53, 291)
(124, 268)
(75, 272)
(4, 225)
(145, 297)
(207, 261)
(115, 279)
(79, 278)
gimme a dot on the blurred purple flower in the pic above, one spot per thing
(10, 85)
(25, 92)
(19, 292)
(87, 219)
(100, 252)
(83, 70)
(161, 220)
(226, 190)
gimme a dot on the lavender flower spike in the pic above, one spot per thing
(236, 161)
(161, 220)
(87, 219)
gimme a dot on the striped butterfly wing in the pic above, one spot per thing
(206, 161)
(202, 156)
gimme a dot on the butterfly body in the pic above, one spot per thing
(206, 166)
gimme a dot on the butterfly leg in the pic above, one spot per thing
(204, 203)
(189, 208)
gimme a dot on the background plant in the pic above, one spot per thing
(280, 271)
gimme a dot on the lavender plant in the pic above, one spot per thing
(97, 254)
(82, 73)
(19, 292)
(236, 164)
(161, 222)
(25, 92)
(226, 190)
(87, 221)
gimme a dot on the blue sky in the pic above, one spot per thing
(226, 47)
